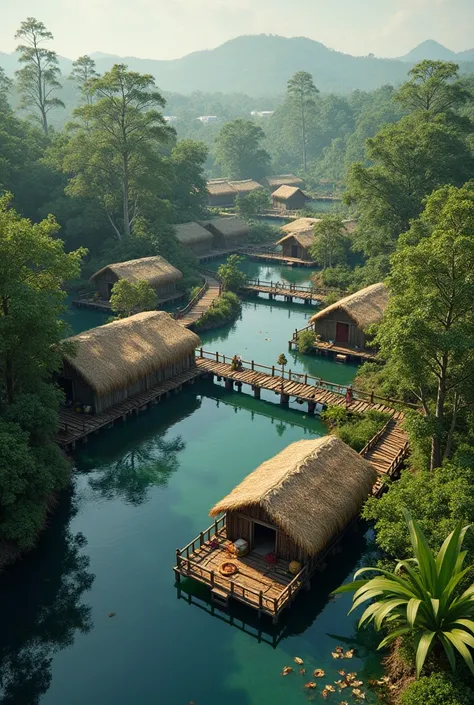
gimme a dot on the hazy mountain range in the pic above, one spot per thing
(262, 64)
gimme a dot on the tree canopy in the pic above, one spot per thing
(239, 152)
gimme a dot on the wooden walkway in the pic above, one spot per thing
(202, 304)
(311, 393)
(76, 427)
(285, 289)
(387, 451)
(276, 257)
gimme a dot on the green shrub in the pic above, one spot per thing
(224, 309)
(305, 341)
(354, 429)
(229, 274)
(437, 689)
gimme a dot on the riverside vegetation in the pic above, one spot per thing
(406, 157)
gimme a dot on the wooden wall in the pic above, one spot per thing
(85, 394)
(222, 199)
(103, 282)
(326, 328)
(294, 203)
(287, 249)
(240, 526)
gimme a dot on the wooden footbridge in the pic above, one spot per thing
(200, 303)
(288, 291)
(268, 254)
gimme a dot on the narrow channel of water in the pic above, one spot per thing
(140, 491)
(92, 615)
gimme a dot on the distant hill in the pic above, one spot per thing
(257, 65)
(436, 52)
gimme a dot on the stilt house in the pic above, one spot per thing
(159, 273)
(195, 237)
(289, 198)
(111, 363)
(345, 322)
(226, 231)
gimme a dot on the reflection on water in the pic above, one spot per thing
(41, 608)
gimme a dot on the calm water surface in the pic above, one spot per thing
(140, 491)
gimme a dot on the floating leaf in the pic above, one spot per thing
(341, 684)
(350, 677)
(298, 660)
(318, 673)
(286, 670)
(336, 654)
(349, 654)
(310, 686)
(112, 614)
(330, 688)
(356, 684)
(342, 673)
(358, 693)
(325, 693)
(302, 671)
(339, 649)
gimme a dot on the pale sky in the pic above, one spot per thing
(167, 29)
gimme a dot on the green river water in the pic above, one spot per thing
(140, 491)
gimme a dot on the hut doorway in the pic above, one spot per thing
(342, 332)
(295, 251)
(264, 539)
(68, 388)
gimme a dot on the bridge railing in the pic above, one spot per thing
(288, 286)
(304, 378)
(198, 295)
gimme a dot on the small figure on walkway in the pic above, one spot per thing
(234, 365)
(348, 396)
(240, 366)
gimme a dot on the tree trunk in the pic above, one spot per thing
(126, 205)
(452, 427)
(303, 132)
(436, 455)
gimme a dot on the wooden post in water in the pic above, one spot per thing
(178, 556)
(229, 384)
(284, 399)
(256, 392)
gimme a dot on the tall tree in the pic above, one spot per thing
(302, 91)
(38, 77)
(433, 87)
(33, 269)
(409, 160)
(189, 186)
(331, 243)
(427, 335)
(83, 71)
(115, 154)
(238, 150)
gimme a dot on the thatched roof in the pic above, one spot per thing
(227, 226)
(365, 307)
(283, 193)
(246, 186)
(190, 233)
(300, 225)
(154, 270)
(220, 187)
(304, 238)
(118, 354)
(284, 180)
(311, 490)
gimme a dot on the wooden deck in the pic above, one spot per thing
(334, 349)
(269, 256)
(261, 585)
(76, 427)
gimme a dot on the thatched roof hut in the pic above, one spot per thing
(246, 186)
(347, 320)
(365, 307)
(159, 273)
(274, 182)
(194, 236)
(298, 244)
(226, 231)
(310, 492)
(221, 192)
(289, 198)
(115, 361)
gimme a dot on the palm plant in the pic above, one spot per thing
(421, 597)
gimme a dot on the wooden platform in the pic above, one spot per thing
(277, 257)
(288, 291)
(76, 427)
(100, 305)
(339, 349)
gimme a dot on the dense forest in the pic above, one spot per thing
(110, 178)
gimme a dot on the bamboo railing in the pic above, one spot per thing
(288, 286)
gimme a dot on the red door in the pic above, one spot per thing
(342, 332)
